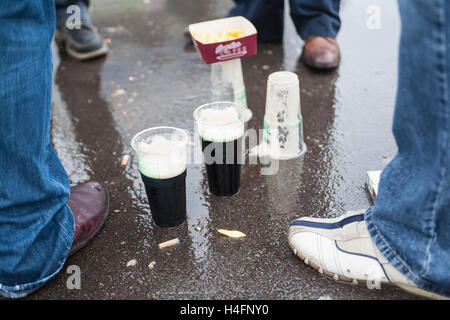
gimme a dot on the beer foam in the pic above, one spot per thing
(162, 157)
(220, 125)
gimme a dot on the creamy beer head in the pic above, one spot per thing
(220, 121)
(161, 152)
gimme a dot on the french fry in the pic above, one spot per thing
(226, 34)
(231, 233)
(125, 159)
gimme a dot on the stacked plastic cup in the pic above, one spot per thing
(283, 125)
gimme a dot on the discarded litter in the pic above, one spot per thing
(151, 265)
(198, 228)
(231, 233)
(125, 159)
(131, 263)
(118, 92)
(170, 243)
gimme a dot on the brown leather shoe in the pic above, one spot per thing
(90, 206)
(321, 53)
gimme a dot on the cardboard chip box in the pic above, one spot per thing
(226, 50)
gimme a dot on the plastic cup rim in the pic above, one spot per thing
(133, 140)
(283, 83)
(238, 106)
(280, 156)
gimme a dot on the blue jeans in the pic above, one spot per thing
(36, 225)
(311, 17)
(410, 220)
(62, 14)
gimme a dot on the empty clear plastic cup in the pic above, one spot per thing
(283, 125)
(222, 91)
(220, 126)
(162, 160)
(227, 84)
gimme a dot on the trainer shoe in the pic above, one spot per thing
(341, 248)
(83, 43)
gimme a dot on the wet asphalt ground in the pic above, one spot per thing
(153, 76)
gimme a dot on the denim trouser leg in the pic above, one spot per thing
(62, 14)
(410, 221)
(311, 17)
(316, 17)
(36, 225)
(266, 15)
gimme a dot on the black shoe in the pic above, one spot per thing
(81, 44)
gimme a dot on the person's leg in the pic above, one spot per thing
(36, 225)
(81, 42)
(61, 11)
(318, 22)
(403, 238)
(410, 220)
(266, 15)
(316, 18)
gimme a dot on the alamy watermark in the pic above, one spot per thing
(74, 19)
(252, 148)
(74, 280)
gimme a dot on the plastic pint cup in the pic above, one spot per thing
(161, 156)
(228, 76)
(220, 126)
(283, 124)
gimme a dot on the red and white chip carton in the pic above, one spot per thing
(241, 47)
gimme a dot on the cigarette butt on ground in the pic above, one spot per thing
(170, 243)
(151, 265)
(231, 233)
(125, 160)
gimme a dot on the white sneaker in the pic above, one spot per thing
(342, 249)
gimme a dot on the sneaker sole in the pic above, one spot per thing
(334, 276)
(343, 279)
(88, 55)
(80, 56)
(423, 293)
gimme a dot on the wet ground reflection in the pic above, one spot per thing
(152, 78)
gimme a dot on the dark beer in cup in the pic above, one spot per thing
(161, 156)
(224, 176)
(221, 129)
(167, 199)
